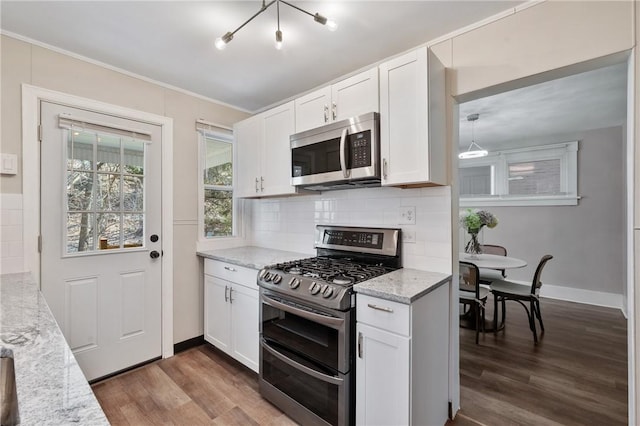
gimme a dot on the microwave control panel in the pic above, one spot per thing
(360, 149)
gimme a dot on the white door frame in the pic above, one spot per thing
(31, 97)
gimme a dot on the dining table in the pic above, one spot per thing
(488, 261)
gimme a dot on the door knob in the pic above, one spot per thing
(154, 254)
(154, 238)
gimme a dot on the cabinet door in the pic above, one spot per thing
(247, 169)
(382, 379)
(313, 109)
(355, 95)
(216, 313)
(244, 325)
(278, 125)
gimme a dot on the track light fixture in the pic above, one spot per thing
(474, 150)
(221, 42)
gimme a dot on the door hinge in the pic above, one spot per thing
(39, 243)
(40, 132)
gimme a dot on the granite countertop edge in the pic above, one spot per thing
(51, 387)
(404, 286)
(251, 256)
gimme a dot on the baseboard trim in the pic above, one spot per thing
(590, 297)
(188, 344)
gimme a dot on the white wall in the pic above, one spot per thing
(289, 223)
(587, 240)
(11, 249)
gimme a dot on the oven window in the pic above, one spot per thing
(301, 335)
(316, 395)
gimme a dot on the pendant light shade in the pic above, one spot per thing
(474, 150)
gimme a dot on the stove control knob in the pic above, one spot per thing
(267, 276)
(276, 279)
(327, 292)
(294, 283)
(262, 274)
(314, 288)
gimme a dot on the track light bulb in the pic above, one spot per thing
(332, 25)
(278, 39)
(221, 42)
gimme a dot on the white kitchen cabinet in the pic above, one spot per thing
(263, 163)
(402, 360)
(412, 120)
(231, 310)
(350, 97)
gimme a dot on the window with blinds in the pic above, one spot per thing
(217, 207)
(540, 175)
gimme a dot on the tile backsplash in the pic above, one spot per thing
(11, 246)
(289, 223)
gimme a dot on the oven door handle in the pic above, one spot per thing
(324, 320)
(343, 154)
(308, 371)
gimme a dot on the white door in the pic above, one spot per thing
(216, 312)
(244, 325)
(101, 262)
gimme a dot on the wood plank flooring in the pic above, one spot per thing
(576, 375)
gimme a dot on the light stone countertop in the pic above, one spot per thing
(252, 257)
(403, 285)
(51, 388)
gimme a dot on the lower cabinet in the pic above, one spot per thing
(231, 311)
(402, 360)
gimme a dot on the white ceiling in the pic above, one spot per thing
(172, 41)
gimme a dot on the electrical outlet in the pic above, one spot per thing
(407, 215)
(409, 237)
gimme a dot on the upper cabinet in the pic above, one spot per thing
(353, 96)
(412, 120)
(263, 163)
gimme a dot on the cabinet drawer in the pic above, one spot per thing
(227, 271)
(383, 314)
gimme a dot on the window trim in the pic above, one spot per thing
(566, 152)
(224, 134)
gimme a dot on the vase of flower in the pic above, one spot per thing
(472, 245)
(473, 221)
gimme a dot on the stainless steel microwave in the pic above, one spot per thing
(340, 155)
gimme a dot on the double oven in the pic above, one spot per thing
(307, 323)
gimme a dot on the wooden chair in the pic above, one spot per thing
(472, 294)
(507, 290)
(487, 276)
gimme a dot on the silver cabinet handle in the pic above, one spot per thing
(256, 184)
(261, 184)
(226, 293)
(334, 110)
(379, 308)
(384, 168)
(326, 113)
(230, 294)
(359, 345)
(229, 268)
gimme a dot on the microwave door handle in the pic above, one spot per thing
(343, 154)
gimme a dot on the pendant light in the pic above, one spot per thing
(221, 42)
(474, 150)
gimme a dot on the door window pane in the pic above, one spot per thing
(535, 177)
(218, 213)
(476, 181)
(105, 198)
(80, 232)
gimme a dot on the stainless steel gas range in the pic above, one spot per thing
(307, 322)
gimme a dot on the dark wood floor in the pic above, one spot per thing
(576, 375)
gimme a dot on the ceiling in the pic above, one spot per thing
(172, 41)
(586, 101)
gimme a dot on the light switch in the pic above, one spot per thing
(9, 164)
